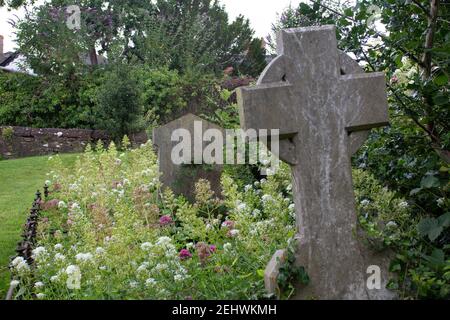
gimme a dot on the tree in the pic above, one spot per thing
(191, 36)
(417, 32)
(119, 103)
(255, 59)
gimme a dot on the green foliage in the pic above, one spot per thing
(119, 107)
(290, 275)
(194, 37)
(37, 102)
(163, 93)
(255, 60)
(7, 134)
(391, 222)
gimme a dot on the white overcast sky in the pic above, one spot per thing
(262, 13)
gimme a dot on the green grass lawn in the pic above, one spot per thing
(19, 180)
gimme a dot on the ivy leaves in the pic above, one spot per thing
(433, 227)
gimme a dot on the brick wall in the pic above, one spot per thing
(18, 142)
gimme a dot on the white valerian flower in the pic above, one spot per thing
(190, 245)
(146, 246)
(365, 203)
(292, 207)
(38, 285)
(234, 233)
(248, 187)
(39, 253)
(14, 284)
(180, 277)
(17, 261)
(267, 197)
(403, 204)
(150, 282)
(48, 182)
(164, 241)
(440, 202)
(161, 267)
(84, 257)
(22, 267)
(60, 257)
(73, 277)
(62, 205)
(75, 206)
(143, 267)
(99, 251)
(40, 296)
(289, 187)
(256, 213)
(103, 268)
(58, 246)
(227, 246)
(133, 284)
(241, 207)
(54, 279)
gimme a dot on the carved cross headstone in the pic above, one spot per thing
(181, 178)
(324, 104)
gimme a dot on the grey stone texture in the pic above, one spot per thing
(181, 179)
(324, 105)
(272, 271)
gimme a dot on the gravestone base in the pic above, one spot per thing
(349, 268)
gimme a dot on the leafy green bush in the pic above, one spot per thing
(421, 263)
(163, 93)
(36, 102)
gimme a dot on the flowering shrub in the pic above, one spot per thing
(113, 233)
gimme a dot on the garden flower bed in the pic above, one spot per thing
(109, 231)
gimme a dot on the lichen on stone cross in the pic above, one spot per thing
(324, 105)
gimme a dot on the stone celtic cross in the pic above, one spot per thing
(324, 105)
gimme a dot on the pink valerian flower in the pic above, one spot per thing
(203, 252)
(185, 254)
(394, 79)
(233, 233)
(165, 220)
(228, 224)
(212, 248)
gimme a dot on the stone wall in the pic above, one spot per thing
(17, 142)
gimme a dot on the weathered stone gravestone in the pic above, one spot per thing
(189, 131)
(324, 104)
